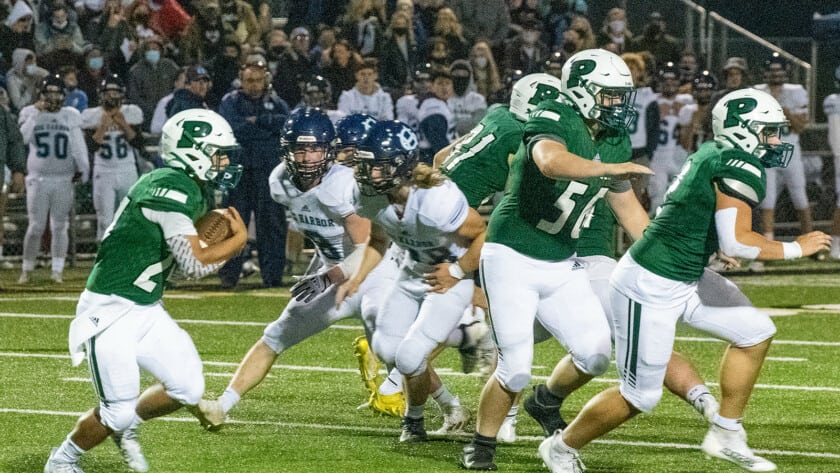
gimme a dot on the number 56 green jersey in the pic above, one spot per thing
(542, 217)
(479, 163)
(134, 260)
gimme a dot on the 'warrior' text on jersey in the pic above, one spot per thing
(542, 217)
(678, 242)
(478, 164)
(134, 259)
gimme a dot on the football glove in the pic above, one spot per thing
(309, 286)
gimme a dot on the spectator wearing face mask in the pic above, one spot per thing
(483, 19)
(238, 16)
(485, 72)
(467, 106)
(16, 32)
(90, 75)
(614, 33)
(110, 31)
(449, 28)
(398, 55)
(23, 78)
(58, 28)
(526, 51)
(150, 79)
(203, 39)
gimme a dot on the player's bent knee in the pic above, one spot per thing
(512, 382)
(645, 401)
(117, 416)
(593, 365)
(761, 329)
(411, 358)
(187, 394)
(385, 347)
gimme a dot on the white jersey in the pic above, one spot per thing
(379, 105)
(318, 212)
(115, 154)
(426, 228)
(407, 108)
(430, 107)
(794, 98)
(669, 130)
(831, 107)
(638, 136)
(56, 144)
(467, 109)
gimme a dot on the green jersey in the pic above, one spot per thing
(678, 242)
(134, 260)
(542, 217)
(479, 163)
(597, 234)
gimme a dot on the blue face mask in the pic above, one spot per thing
(153, 56)
(96, 62)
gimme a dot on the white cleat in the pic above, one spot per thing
(56, 466)
(455, 418)
(56, 277)
(131, 451)
(731, 445)
(707, 406)
(558, 457)
(24, 277)
(507, 432)
(210, 414)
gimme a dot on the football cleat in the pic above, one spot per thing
(548, 416)
(507, 432)
(558, 457)
(56, 277)
(455, 418)
(210, 414)
(56, 466)
(478, 457)
(387, 404)
(478, 351)
(706, 405)
(130, 449)
(368, 364)
(413, 430)
(731, 445)
(24, 277)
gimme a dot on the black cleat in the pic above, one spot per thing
(478, 457)
(413, 430)
(548, 416)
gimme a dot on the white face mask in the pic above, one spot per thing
(617, 26)
(481, 62)
(31, 69)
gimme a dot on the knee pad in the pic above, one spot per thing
(411, 356)
(36, 228)
(385, 347)
(593, 365)
(117, 416)
(513, 382)
(189, 391)
(644, 401)
(761, 328)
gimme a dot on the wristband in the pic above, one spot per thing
(792, 250)
(456, 272)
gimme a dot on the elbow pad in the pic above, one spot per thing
(183, 254)
(728, 242)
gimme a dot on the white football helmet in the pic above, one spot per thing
(191, 138)
(747, 119)
(600, 86)
(530, 90)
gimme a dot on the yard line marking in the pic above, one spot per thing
(785, 358)
(360, 328)
(442, 372)
(391, 431)
(211, 375)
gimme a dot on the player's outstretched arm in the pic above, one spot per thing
(733, 221)
(555, 161)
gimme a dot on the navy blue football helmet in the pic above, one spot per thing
(386, 158)
(308, 130)
(52, 91)
(112, 91)
(351, 131)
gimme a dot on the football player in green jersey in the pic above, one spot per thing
(574, 152)
(120, 322)
(708, 207)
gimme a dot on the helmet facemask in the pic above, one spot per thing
(304, 170)
(771, 155)
(54, 99)
(380, 176)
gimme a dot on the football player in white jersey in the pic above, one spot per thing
(320, 199)
(58, 155)
(831, 107)
(408, 105)
(436, 123)
(794, 101)
(669, 155)
(427, 216)
(644, 131)
(114, 127)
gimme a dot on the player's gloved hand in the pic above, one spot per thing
(310, 286)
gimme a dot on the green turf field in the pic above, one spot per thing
(303, 418)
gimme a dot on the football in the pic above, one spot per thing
(213, 227)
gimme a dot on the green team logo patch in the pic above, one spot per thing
(192, 130)
(544, 92)
(579, 69)
(736, 107)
